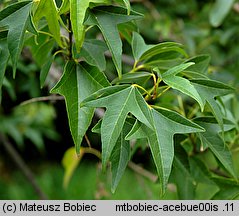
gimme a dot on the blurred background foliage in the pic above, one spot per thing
(40, 133)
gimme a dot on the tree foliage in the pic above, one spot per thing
(166, 99)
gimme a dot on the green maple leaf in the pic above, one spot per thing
(215, 143)
(209, 90)
(143, 51)
(15, 18)
(75, 85)
(107, 19)
(181, 84)
(119, 101)
(166, 123)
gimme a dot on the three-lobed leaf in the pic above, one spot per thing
(119, 101)
(75, 85)
(209, 90)
(166, 123)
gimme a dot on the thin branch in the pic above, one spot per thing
(22, 166)
(44, 98)
(140, 170)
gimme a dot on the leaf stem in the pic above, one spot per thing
(142, 88)
(168, 87)
(91, 151)
(136, 68)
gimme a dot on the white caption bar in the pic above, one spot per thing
(115, 208)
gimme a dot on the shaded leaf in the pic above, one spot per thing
(229, 189)
(93, 53)
(219, 11)
(137, 77)
(75, 85)
(200, 66)
(214, 142)
(65, 7)
(45, 70)
(15, 19)
(166, 124)
(119, 101)
(4, 57)
(107, 19)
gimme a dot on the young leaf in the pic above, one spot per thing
(77, 15)
(48, 9)
(75, 85)
(15, 19)
(208, 90)
(65, 7)
(166, 123)
(107, 19)
(119, 101)
(70, 162)
(181, 84)
(138, 46)
(141, 51)
(93, 53)
(215, 143)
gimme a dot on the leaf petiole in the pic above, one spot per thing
(160, 94)
(142, 88)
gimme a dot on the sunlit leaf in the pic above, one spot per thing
(119, 101)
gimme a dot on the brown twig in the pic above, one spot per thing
(140, 170)
(44, 98)
(22, 166)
